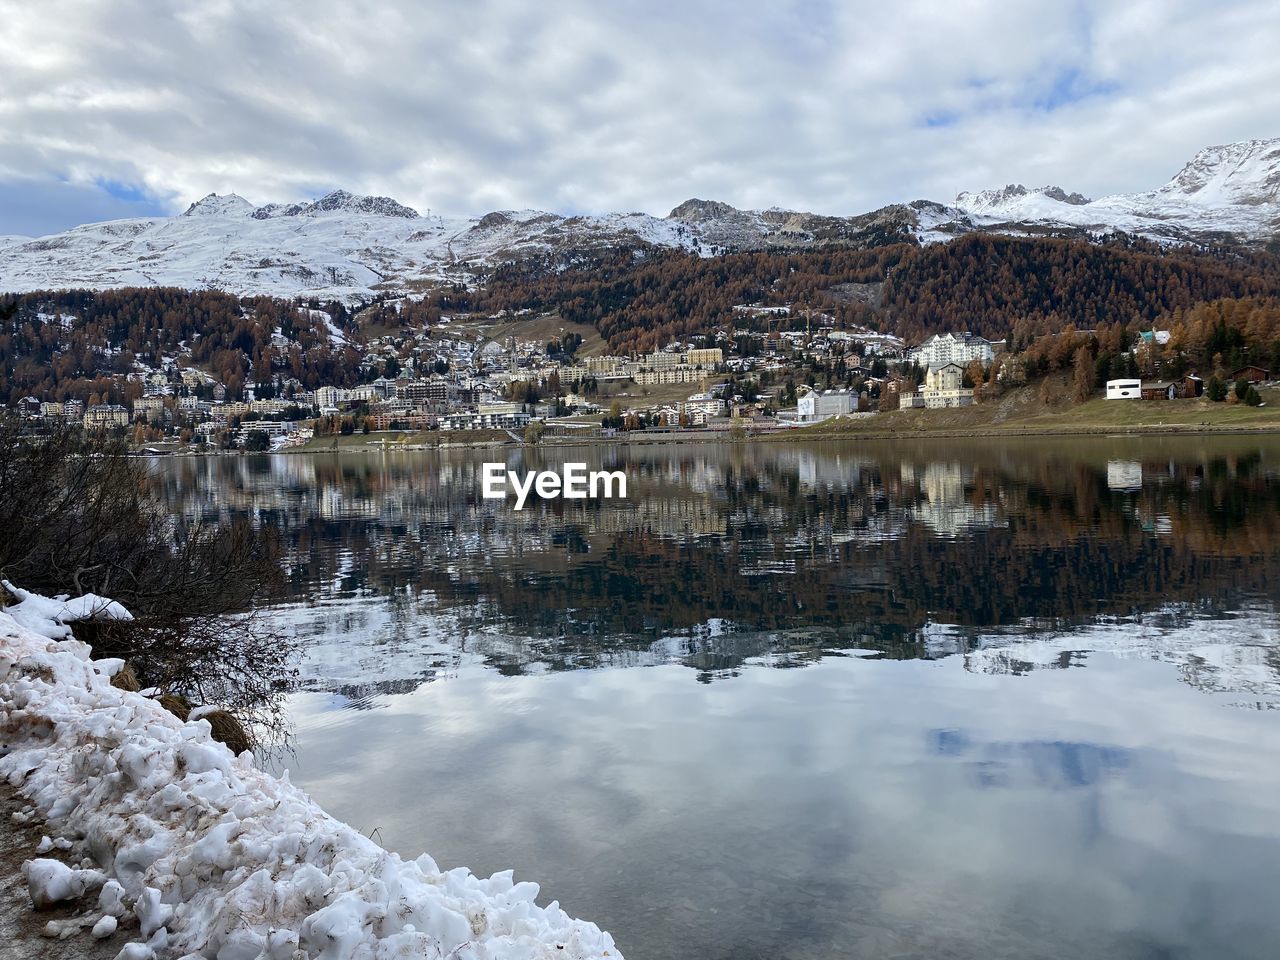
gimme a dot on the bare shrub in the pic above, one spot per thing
(80, 516)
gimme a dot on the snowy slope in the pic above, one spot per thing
(1231, 189)
(341, 246)
(346, 246)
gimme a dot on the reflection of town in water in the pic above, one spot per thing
(1016, 557)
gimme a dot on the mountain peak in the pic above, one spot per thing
(1007, 197)
(1057, 193)
(213, 205)
(338, 201)
(696, 211)
(341, 200)
(1245, 173)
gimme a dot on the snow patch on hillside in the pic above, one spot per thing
(201, 853)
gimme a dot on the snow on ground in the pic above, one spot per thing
(199, 853)
(336, 336)
(49, 616)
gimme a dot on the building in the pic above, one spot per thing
(400, 420)
(603, 366)
(420, 392)
(1191, 386)
(225, 411)
(705, 357)
(103, 416)
(1150, 339)
(674, 374)
(961, 348)
(943, 387)
(1124, 389)
(667, 416)
(661, 360)
(149, 408)
(328, 398)
(486, 419)
(269, 407)
(1253, 373)
(279, 433)
(815, 405)
(700, 408)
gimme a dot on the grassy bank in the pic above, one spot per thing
(403, 439)
(1029, 411)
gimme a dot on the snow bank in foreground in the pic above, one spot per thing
(211, 857)
(49, 616)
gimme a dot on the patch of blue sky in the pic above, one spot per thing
(940, 118)
(1068, 86)
(39, 206)
(127, 192)
(1064, 88)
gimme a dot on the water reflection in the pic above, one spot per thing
(968, 701)
(855, 809)
(776, 555)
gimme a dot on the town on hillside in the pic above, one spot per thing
(759, 379)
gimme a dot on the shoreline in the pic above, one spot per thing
(155, 830)
(807, 434)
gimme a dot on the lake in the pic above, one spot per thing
(910, 699)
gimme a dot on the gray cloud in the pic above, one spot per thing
(463, 106)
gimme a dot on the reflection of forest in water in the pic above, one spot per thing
(798, 550)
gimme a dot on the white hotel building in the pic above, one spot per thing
(961, 348)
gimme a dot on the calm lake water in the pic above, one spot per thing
(877, 700)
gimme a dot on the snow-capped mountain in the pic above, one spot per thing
(348, 246)
(340, 246)
(719, 226)
(1232, 189)
(1010, 197)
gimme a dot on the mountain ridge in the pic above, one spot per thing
(351, 246)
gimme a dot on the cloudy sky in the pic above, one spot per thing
(134, 107)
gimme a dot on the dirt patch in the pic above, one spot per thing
(21, 927)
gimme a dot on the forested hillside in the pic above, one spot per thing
(992, 285)
(55, 345)
(1002, 286)
(642, 302)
